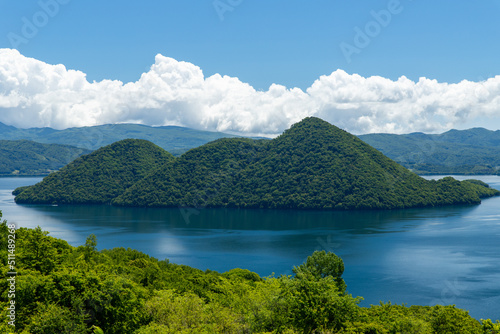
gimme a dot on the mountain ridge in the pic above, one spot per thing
(472, 151)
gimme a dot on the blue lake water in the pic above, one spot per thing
(448, 255)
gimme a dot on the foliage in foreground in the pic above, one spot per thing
(65, 289)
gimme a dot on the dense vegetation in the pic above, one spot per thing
(174, 139)
(65, 289)
(473, 151)
(24, 157)
(98, 177)
(313, 165)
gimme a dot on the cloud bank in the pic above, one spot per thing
(36, 94)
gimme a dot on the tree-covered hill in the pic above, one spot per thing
(472, 151)
(24, 157)
(98, 177)
(80, 290)
(313, 165)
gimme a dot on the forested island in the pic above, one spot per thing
(64, 289)
(312, 165)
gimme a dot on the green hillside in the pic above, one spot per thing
(23, 157)
(80, 290)
(174, 139)
(98, 177)
(473, 151)
(313, 165)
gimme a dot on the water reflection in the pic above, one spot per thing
(147, 220)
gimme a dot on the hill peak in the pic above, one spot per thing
(313, 123)
(98, 177)
(315, 129)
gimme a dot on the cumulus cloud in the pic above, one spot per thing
(36, 94)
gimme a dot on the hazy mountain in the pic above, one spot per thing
(23, 157)
(174, 139)
(473, 151)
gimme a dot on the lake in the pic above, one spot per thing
(447, 255)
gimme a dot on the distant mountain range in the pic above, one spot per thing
(24, 157)
(312, 165)
(473, 151)
(174, 139)
(37, 151)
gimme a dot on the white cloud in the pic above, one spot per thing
(36, 94)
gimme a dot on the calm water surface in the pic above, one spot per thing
(446, 255)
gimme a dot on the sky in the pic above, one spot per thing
(251, 67)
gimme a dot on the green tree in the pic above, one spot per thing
(489, 327)
(52, 318)
(36, 250)
(449, 319)
(90, 247)
(321, 265)
(317, 305)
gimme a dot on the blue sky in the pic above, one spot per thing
(290, 43)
